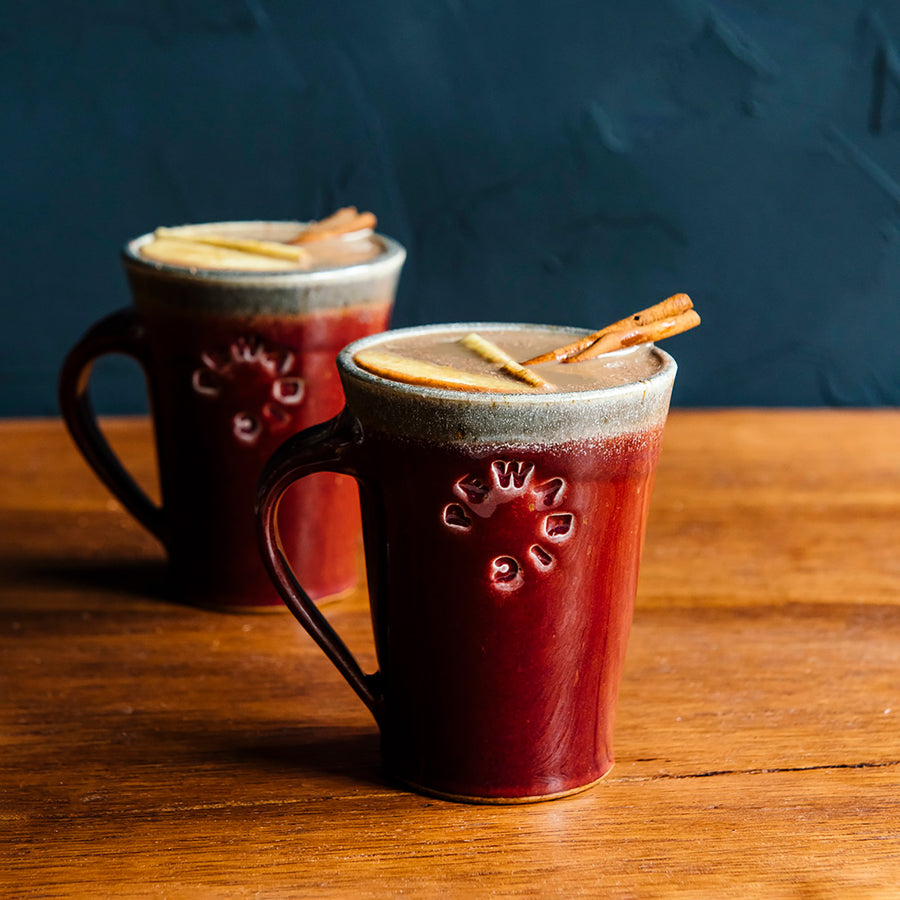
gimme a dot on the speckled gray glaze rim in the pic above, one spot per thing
(450, 416)
(385, 264)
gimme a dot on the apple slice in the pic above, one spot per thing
(492, 353)
(272, 249)
(420, 371)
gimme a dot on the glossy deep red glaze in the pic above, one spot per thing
(502, 601)
(226, 391)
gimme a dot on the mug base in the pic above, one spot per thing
(500, 801)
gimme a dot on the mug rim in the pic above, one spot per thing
(385, 263)
(347, 364)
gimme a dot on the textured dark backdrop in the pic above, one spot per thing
(567, 162)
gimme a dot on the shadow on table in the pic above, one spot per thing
(352, 756)
(139, 578)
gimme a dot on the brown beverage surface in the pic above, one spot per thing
(344, 250)
(605, 371)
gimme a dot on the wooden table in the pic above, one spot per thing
(150, 749)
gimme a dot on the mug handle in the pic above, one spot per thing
(122, 332)
(322, 448)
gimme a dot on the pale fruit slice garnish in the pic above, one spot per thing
(272, 249)
(192, 255)
(429, 374)
(492, 353)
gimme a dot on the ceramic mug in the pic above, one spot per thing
(503, 534)
(235, 362)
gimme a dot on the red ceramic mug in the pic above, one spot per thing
(235, 362)
(503, 534)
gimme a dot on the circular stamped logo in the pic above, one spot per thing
(257, 381)
(512, 489)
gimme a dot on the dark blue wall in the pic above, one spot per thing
(567, 162)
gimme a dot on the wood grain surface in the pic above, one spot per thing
(156, 750)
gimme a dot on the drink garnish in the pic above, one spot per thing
(419, 371)
(492, 353)
(273, 249)
(343, 221)
(671, 316)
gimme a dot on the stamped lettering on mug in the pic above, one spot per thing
(258, 380)
(511, 488)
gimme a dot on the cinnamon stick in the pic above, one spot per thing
(665, 309)
(342, 221)
(642, 334)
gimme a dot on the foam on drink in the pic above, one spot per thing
(445, 348)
